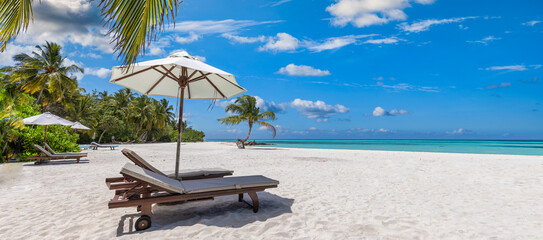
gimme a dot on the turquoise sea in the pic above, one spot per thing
(449, 146)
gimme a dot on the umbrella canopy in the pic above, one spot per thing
(78, 125)
(180, 76)
(46, 119)
(165, 77)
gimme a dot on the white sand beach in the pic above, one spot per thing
(323, 194)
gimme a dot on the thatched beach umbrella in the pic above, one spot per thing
(47, 119)
(180, 76)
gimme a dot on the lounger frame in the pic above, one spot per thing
(48, 156)
(95, 146)
(130, 192)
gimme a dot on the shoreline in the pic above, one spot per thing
(391, 150)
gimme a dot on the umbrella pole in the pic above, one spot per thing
(179, 132)
(45, 136)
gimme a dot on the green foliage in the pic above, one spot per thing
(60, 138)
(191, 135)
(40, 83)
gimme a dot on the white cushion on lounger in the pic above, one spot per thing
(142, 161)
(182, 173)
(227, 183)
(156, 179)
(196, 186)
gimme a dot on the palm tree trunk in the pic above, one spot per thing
(39, 96)
(250, 127)
(101, 135)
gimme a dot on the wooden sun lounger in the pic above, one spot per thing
(66, 153)
(95, 146)
(142, 188)
(48, 156)
(187, 174)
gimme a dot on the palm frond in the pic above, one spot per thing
(269, 115)
(232, 120)
(134, 24)
(269, 126)
(14, 17)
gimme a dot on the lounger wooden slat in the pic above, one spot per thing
(147, 188)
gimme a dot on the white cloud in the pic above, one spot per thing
(192, 37)
(270, 105)
(531, 23)
(461, 131)
(222, 26)
(408, 87)
(520, 67)
(501, 85)
(240, 39)
(282, 42)
(425, 25)
(333, 42)
(91, 55)
(280, 2)
(318, 110)
(155, 51)
(302, 70)
(67, 21)
(286, 42)
(261, 103)
(389, 40)
(486, 40)
(6, 57)
(366, 130)
(379, 112)
(362, 13)
(99, 72)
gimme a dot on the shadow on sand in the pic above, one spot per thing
(222, 212)
(55, 162)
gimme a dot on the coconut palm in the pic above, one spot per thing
(133, 24)
(45, 72)
(163, 113)
(247, 111)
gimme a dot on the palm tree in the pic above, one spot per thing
(163, 113)
(45, 72)
(247, 111)
(133, 24)
(142, 115)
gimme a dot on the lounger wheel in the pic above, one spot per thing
(143, 223)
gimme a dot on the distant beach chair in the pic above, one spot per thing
(65, 153)
(148, 188)
(187, 174)
(49, 156)
(95, 146)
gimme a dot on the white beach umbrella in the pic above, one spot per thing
(180, 76)
(78, 125)
(46, 119)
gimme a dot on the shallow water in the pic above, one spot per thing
(448, 146)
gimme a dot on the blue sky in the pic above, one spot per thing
(367, 69)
